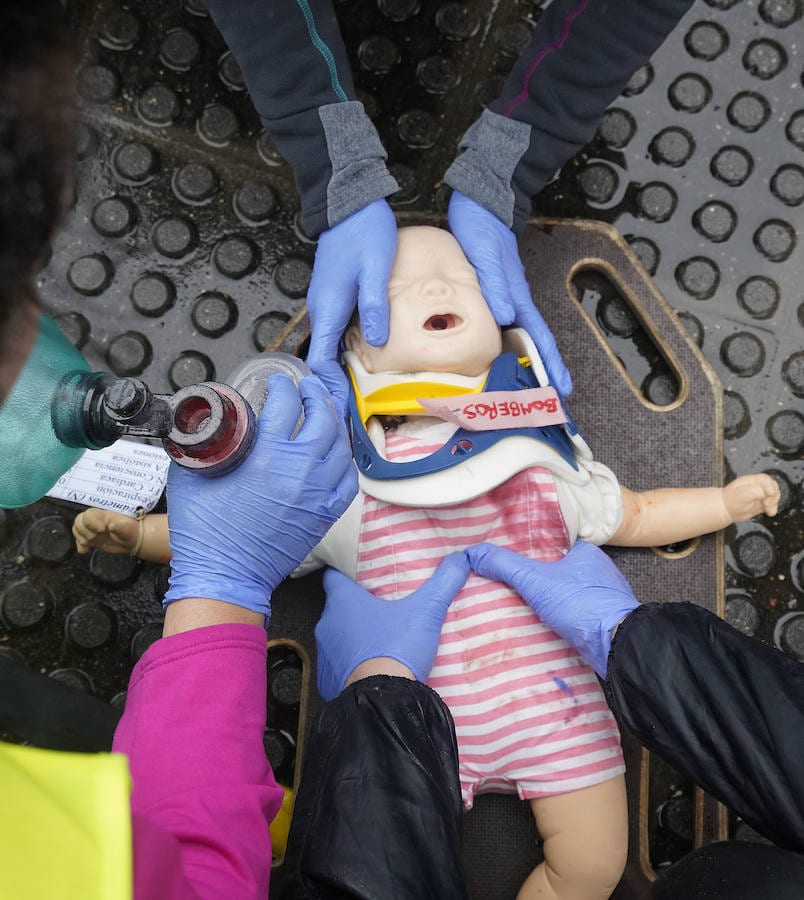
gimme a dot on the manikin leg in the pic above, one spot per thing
(585, 835)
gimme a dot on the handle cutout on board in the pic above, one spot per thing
(607, 305)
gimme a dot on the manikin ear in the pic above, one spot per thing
(353, 340)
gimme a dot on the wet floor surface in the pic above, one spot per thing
(183, 255)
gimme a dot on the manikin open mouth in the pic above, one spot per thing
(442, 322)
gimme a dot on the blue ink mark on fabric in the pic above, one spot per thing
(562, 685)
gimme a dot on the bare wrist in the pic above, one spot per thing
(199, 612)
(380, 665)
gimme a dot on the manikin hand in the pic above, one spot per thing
(352, 265)
(234, 538)
(751, 495)
(356, 626)
(104, 530)
(491, 248)
(582, 597)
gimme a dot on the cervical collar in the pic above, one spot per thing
(470, 462)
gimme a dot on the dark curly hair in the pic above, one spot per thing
(37, 139)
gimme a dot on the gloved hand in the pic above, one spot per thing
(491, 248)
(234, 538)
(357, 626)
(352, 265)
(582, 597)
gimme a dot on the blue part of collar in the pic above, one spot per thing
(506, 374)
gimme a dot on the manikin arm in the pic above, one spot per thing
(668, 515)
(115, 533)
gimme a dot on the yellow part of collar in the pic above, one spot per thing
(402, 398)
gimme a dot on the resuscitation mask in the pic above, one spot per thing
(57, 408)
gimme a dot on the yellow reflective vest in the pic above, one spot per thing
(65, 825)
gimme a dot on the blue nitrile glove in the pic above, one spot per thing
(234, 538)
(357, 626)
(352, 265)
(582, 597)
(491, 248)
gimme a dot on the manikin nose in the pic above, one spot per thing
(437, 287)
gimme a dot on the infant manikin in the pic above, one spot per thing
(530, 716)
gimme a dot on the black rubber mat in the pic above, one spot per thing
(183, 255)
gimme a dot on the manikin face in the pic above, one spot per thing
(439, 319)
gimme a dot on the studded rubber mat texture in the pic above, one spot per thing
(183, 255)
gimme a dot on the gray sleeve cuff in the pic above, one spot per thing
(357, 158)
(491, 150)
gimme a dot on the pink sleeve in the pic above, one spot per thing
(192, 730)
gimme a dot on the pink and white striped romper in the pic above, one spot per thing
(530, 716)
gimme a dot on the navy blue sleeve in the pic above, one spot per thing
(297, 73)
(581, 56)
